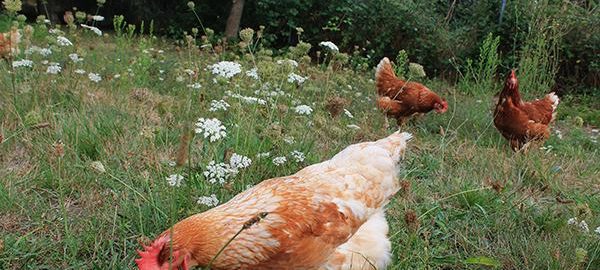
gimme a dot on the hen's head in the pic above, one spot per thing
(441, 106)
(159, 256)
(511, 81)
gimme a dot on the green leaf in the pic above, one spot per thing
(483, 260)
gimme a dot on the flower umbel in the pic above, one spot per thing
(209, 201)
(225, 69)
(211, 128)
(174, 180)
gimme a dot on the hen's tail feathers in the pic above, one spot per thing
(555, 100)
(396, 144)
(369, 248)
(384, 76)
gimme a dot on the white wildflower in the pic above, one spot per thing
(45, 52)
(32, 49)
(348, 113)
(278, 161)
(217, 172)
(246, 99)
(290, 62)
(295, 78)
(22, 63)
(93, 29)
(238, 161)
(303, 110)
(174, 180)
(583, 226)
(98, 166)
(211, 128)
(189, 71)
(53, 68)
(80, 71)
(572, 221)
(63, 41)
(329, 45)
(298, 156)
(194, 86)
(353, 126)
(75, 58)
(55, 31)
(289, 139)
(218, 105)
(94, 77)
(253, 73)
(97, 18)
(226, 69)
(209, 201)
(117, 76)
(558, 134)
(597, 230)
(263, 155)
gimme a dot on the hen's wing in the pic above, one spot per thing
(541, 111)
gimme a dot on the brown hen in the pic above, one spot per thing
(401, 99)
(523, 122)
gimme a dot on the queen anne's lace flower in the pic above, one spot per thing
(582, 225)
(218, 105)
(329, 45)
(80, 71)
(194, 86)
(211, 128)
(253, 73)
(298, 156)
(75, 58)
(174, 180)
(303, 110)
(295, 78)
(278, 161)
(97, 18)
(238, 161)
(45, 51)
(22, 63)
(246, 99)
(597, 230)
(226, 69)
(217, 172)
(53, 68)
(94, 77)
(263, 154)
(290, 62)
(209, 201)
(63, 41)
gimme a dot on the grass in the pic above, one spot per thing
(470, 202)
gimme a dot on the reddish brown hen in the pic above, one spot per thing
(401, 99)
(522, 122)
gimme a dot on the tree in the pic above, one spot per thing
(235, 16)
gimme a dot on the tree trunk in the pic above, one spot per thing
(235, 16)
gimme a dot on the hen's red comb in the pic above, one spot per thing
(150, 256)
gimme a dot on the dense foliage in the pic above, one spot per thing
(441, 35)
